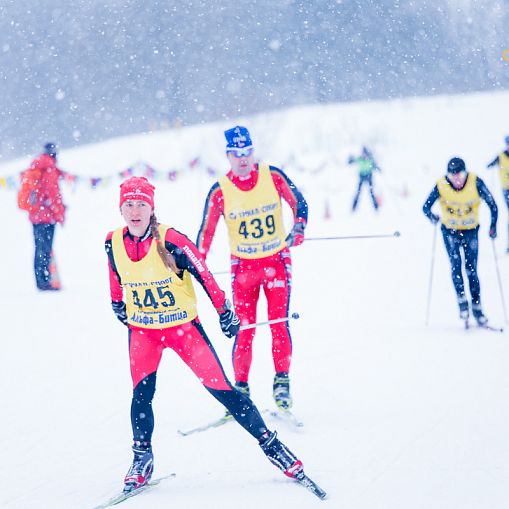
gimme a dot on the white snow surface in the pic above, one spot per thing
(396, 414)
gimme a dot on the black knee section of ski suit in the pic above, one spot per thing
(242, 409)
(142, 415)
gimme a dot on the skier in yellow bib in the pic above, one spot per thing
(460, 193)
(502, 161)
(250, 198)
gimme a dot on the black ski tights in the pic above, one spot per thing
(466, 239)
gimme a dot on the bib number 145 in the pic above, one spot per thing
(164, 298)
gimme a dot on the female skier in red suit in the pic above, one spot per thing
(152, 264)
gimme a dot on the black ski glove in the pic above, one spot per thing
(493, 232)
(296, 236)
(434, 218)
(120, 310)
(229, 321)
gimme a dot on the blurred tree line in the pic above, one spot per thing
(78, 72)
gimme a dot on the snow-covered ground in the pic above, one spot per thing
(397, 414)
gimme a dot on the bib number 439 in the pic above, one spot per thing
(258, 228)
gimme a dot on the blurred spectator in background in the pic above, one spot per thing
(366, 165)
(40, 196)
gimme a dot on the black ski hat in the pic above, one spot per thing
(455, 165)
(50, 149)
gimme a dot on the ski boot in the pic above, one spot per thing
(141, 469)
(478, 315)
(463, 310)
(242, 387)
(280, 455)
(281, 389)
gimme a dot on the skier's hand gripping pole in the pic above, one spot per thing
(295, 316)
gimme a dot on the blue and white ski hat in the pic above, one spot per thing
(237, 137)
(507, 140)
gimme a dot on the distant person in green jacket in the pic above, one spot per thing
(366, 165)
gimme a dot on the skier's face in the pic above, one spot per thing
(241, 163)
(457, 179)
(137, 214)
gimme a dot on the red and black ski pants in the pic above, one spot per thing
(192, 345)
(274, 275)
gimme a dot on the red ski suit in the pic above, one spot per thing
(273, 273)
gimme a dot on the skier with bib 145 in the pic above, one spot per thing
(460, 193)
(152, 264)
(249, 199)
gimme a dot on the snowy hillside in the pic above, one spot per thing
(397, 414)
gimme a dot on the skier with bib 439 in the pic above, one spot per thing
(460, 193)
(249, 199)
(152, 265)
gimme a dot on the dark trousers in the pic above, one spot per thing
(43, 234)
(468, 241)
(368, 179)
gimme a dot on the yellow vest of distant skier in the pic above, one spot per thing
(156, 297)
(503, 164)
(459, 208)
(254, 218)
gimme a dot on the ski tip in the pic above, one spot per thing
(397, 234)
(295, 316)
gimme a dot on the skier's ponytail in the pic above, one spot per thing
(166, 256)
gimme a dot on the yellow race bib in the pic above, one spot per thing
(503, 164)
(156, 298)
(254, 218)
(459, 208)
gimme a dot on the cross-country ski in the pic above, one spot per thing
(123, 495)
(210, 425)
(288, 416)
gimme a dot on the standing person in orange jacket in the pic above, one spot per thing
(40, 196)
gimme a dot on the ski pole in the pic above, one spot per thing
(395, 234)
(431, 273)
(499, 281)
(294, 316)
